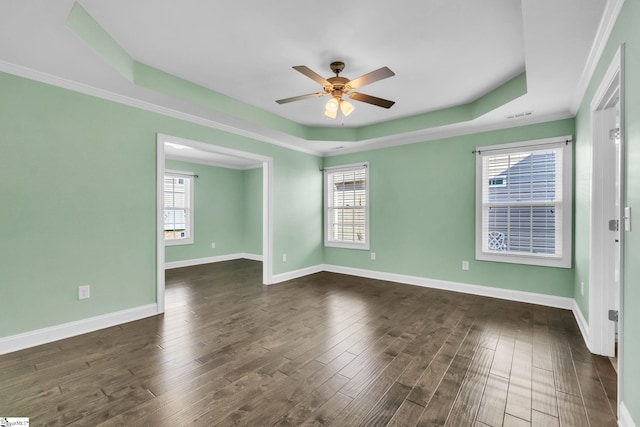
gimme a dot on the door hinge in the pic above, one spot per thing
(614, 225)
(613, 315)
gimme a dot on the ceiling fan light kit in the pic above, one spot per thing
(331, 108)
(346, 108)
(338, 87)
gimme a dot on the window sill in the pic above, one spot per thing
(179, 242)
(524, 259)
(347, 245)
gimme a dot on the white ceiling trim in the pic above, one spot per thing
(611, 12)
(296, 144)
(43, 77)
(450, 131)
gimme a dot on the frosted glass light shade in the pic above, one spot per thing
(331, 109)
(346, 107)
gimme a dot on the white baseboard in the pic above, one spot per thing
(58, 332)
(252, 257)
(289, 275)
(582, 324)
(508, 294)
(42, 336)
(208, 260)
(625, 419)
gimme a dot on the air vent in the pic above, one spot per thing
(520, 115)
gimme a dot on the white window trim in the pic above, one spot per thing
(340, 244)
(191, 176)
(563, 261)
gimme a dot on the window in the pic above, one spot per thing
(178, 208)
(347, 206)
(523, 202)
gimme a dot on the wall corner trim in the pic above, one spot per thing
(294, 274)
(66, 330)
(625, 419)
(582, 324)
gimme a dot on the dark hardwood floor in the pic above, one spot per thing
(326, 349)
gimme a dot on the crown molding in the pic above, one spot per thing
(85, 89)
(608, 21)
(292, 142)
(443, 132)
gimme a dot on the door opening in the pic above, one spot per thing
(267, 206)
(606, 252)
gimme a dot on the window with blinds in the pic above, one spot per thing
(347, 206)
(178, 212)
(523, 197)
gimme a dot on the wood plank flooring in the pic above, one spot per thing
(326, 349)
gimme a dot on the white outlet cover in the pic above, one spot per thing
(84, 292)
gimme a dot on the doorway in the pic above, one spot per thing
(606, 253)
(222, 154)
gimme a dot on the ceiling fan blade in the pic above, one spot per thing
(374, 76)
(384, 103)
(312, 74)
(301, 97)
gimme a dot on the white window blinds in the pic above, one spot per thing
(524, 203)
(178, 212)
(347, 210)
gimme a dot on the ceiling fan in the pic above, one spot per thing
(338, 86)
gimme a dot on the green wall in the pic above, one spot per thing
(227, 211)
(77, 178)
(252, 211)
(423, 213)
(218, 204)
(625, 31)
(78, 185)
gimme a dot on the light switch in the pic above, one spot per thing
(627, 218)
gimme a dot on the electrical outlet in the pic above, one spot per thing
(213, 245)
(284, 257)
(83, 292)
(465, 265)
(373, 256)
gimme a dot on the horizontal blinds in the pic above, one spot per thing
(346, 204)
(177, 204)
(176, 191)
(522, 201)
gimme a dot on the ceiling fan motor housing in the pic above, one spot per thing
(337, 67)
(338, 85)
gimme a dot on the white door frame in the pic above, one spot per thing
(601, 329)
(267, 206)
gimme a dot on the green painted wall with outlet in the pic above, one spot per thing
(79, 176)
(422, 199)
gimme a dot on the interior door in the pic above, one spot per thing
(612, 242)
(617, 209)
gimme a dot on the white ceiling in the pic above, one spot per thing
(444, 53)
